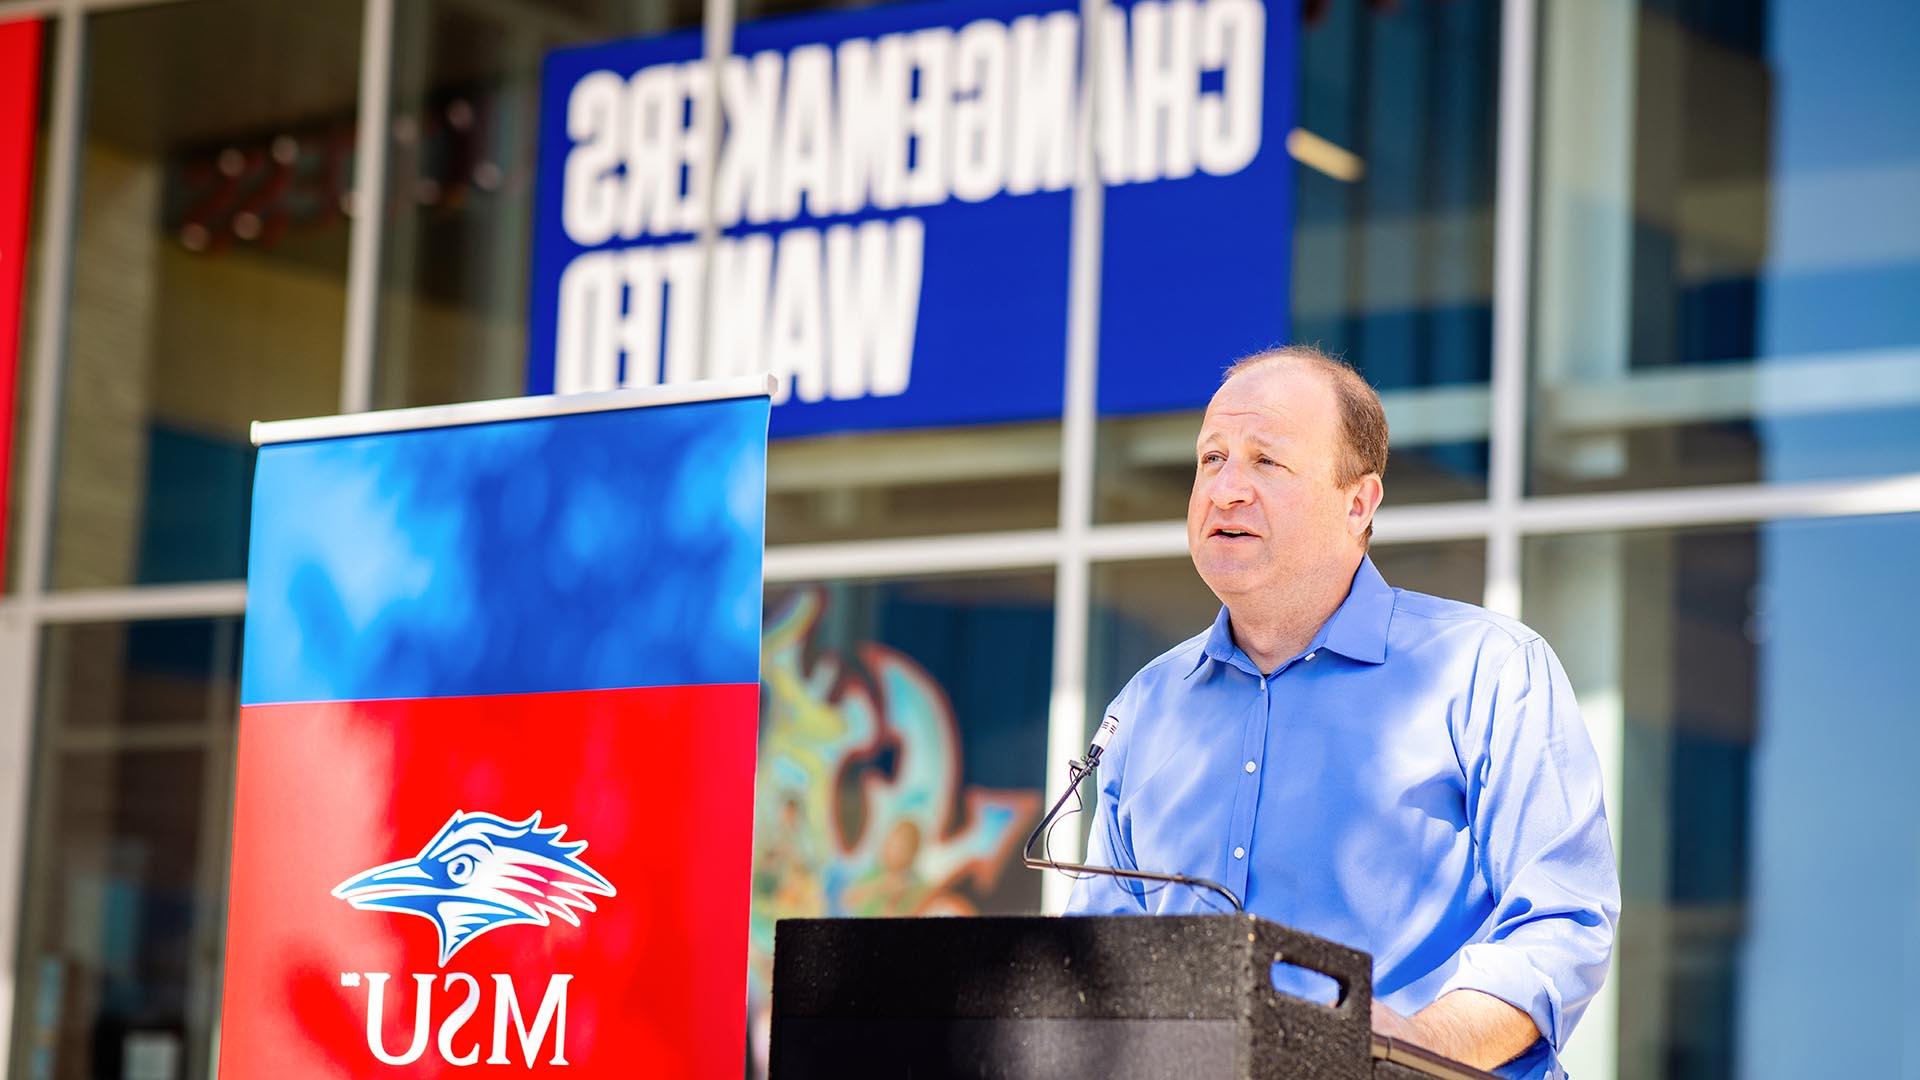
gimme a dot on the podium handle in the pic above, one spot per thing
(1350, 970)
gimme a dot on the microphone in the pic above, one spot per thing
(1077, 771)
(1101, 737)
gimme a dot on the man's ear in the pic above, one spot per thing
(1362, 502)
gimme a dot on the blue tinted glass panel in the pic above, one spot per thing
(1761, 684)
(1729, 243)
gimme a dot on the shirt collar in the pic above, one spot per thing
(1219, 646)
(1357, 630)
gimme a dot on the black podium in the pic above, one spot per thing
(1129, 998)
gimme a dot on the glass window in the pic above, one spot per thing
(457, 242)
(764, 9)
(902, 744)
(1729, 243)
(913, 483)
(1392, 247)
(126, 873)
(1760, 687)
(209, 274)
(1142, 609)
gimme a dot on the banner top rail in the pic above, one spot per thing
(264, 432)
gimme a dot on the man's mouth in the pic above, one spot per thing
(1231, 534)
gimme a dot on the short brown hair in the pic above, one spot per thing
(1363, 422)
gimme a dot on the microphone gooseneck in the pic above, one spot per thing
(1077, 772)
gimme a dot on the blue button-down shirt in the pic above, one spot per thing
(1416, 783)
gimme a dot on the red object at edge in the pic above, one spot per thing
(19, 106)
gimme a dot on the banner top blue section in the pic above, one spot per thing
(584, 552)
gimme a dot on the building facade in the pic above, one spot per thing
(1639, 281)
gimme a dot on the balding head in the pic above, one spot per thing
(1363, 422)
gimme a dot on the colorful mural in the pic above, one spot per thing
(860, 807)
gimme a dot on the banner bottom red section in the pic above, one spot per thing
(555, 883)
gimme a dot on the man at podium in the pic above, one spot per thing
(1401, 773)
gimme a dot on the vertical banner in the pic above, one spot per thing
(498, 714)
(19, 110)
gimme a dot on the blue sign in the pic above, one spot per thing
(892, 188)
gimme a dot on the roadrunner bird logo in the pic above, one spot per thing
(482, 872)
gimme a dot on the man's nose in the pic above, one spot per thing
(1229, 487)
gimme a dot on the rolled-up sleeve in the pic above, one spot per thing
(1537, 812)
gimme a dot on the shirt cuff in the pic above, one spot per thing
(1503, 971)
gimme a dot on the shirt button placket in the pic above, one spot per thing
(1239, 868)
